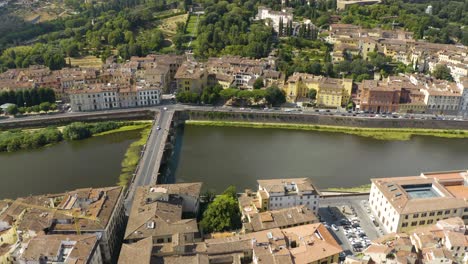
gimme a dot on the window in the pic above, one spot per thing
(439, 213)
(404, 224)
(447, 212)
(423, 214)
(422, 222)
(415, 215)
(431, 213)
(430, 221)
(406, 217)
(414, 223)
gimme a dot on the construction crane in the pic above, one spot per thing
(71, 213)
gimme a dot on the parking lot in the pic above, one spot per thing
(349, 219)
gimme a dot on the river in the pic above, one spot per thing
(93, 162)
(220, 156)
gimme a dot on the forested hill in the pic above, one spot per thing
(137, 27)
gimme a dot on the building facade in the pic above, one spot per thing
(404, 203)
(103, 97)
(284, 193)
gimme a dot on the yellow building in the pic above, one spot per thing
(226, 81)
(329, 95)
(331, 92)
(299, 84)
(191, 77)
(416, 108)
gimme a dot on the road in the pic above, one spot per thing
(148, 168)
(289, 111)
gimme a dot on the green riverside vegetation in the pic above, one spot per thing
(376, 133)
(17, 139)
(132, 156)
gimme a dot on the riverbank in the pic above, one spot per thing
(34, 138)
(138, 126)
(133, 155)
(400, 134)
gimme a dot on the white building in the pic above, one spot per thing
(441, 101)
(101, 97)
(284, 193)
(265, 13)
(403, 203)
(463, 107)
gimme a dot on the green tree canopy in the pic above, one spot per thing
(222, 214)
(12, 110)
(258, 84)
(441, 71)
(312, 94)
(275, 96)
(76, 131)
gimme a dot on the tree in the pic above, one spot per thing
(12, 110)
(441, 71)
(275, 96)
(178, 40)
(188, 97)
(210, 94)
(229, 93)
(312, 94)
(222, 214)
(258, 84)
(45, 106)
(35, 100)
(231, 191)
(208, 196)
(76, 131)
(27, 97)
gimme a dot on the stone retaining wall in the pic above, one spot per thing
(322, 120)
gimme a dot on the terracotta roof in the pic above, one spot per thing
(137, 253)
(282, 218)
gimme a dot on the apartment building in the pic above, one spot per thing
(98, 212)
(109, 96)
(191, 77)
(331, 92)
(378, 97)
(267, 14)
(404, 203)
(157, 213)
(60, 249)
(300, 245)
(441, 242)
(282, 218)
(442, 101)
(277, 194)
(463, 107)
(230, 71)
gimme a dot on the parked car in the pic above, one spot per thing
(334, 227)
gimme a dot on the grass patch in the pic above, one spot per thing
(169, 25)
(192, 26)
(400, 134)
(85, 62)
(132, 157)
(124, 129)
(357, 189)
